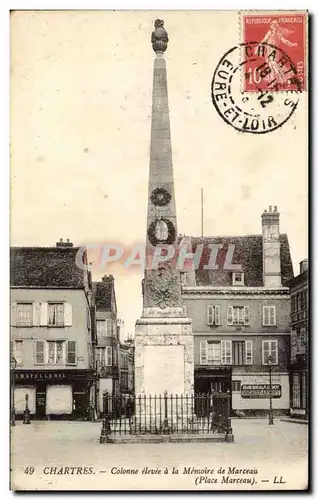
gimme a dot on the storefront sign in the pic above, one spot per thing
(261, 391)
(40, 376)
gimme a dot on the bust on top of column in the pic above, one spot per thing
(159, 38)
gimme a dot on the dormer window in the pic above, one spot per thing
(238, 279)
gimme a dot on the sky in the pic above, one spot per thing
(80, 135)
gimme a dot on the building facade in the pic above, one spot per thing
(240, 310)
(126, 367)
(51, 331)
(299, 342)
(107, 339)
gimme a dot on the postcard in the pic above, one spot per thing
(158, 260)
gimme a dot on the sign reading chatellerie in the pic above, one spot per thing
(261, 391)
(40, 376)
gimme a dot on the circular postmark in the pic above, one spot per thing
(268, 105)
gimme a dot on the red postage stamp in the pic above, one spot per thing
(282, 42)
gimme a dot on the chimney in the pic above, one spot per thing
(271, 248)
(64, 244)
(303, 266)
(108, 278)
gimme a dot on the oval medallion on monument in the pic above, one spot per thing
(161, 231)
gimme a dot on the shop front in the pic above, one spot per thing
(58, 394)
(208, 380)
(251, 393)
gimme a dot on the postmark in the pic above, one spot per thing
(255, 112)
(284, 31)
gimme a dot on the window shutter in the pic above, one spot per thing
(246, 315)
(14, 314)
(109, 326)
(39, 352)
(217, 315)
(43, 314)
(273, 315)
(274, 353)
(67, 314)
(36, 313)
(264, 316)
(230, 315)
(109, 352)
(210, 315)
(226, 352)
(223, 353)
(71, 352)
(249, 352)
(265, 353)
(203, 352)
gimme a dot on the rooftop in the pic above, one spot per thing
(46, 267)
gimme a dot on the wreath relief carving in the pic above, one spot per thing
(162, 287)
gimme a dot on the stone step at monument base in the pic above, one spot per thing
(166, 438)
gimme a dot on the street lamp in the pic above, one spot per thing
(13, 364)
(270, 414)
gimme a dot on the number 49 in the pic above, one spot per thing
(29, 470)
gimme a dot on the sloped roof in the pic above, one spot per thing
(301, 278)
(45, 267)
(103, 293)
(248, 251)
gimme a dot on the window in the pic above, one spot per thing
(239, 352)
(242, 352)
(213, 315)
(269, 348)
(293, 303)
(269, 315)
(104, 356)
(115, 356)
(18, 351)
(24, 314)
(238, 315)
(238, 279)
(210, 352)
(56, 352)
(104, 327)
(71, 352)
(236, 385)
(101, 327)
(55, 314)
(215, 352)
(39, 352)
(298, 302)
(100, 356)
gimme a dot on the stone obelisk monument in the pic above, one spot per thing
(164, 339)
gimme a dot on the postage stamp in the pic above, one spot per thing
(158, 315)
(281, 32)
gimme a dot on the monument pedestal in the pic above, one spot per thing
(164, 352)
